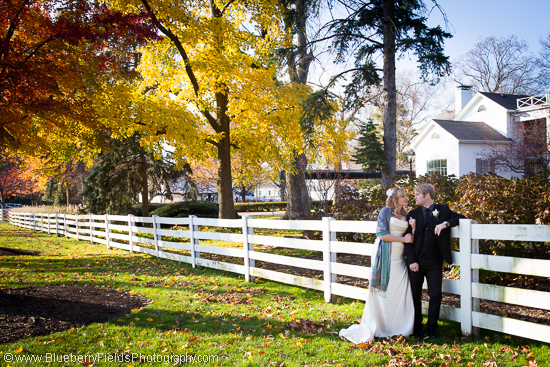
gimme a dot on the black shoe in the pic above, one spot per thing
(419, 336)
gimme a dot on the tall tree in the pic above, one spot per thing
(215, 68)
(544, 62)
(298, 58)
(500, 65)
(66, 182)
(52, 53)
(389, 28)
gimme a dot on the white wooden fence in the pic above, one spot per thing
(107, 230)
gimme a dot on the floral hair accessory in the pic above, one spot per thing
(389, 192)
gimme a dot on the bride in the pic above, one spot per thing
(389, 308)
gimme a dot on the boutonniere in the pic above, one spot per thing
(435, 213)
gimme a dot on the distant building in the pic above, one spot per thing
(482, 121)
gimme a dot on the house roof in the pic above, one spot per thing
(508, 101)
(471, 131)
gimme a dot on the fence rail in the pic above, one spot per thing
(150, 236)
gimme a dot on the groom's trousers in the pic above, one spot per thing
(432, 270)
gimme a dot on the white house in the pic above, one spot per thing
(482, 120)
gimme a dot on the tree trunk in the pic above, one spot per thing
(337, 187)
(68, 194)
(243, 193)
(389, 94)
(298, 205)
(225, 181)
(282, 185)
(144, 185)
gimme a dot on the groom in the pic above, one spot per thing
(432, 244)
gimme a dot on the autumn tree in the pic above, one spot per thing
(52, 55)
(500, 65)
(387, 28)
(210, 86)
(528, 152)
(66, 182)
(248, 174)
(10, 182)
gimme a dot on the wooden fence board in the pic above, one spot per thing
(287, 260)
(295, 243)
(304, 225)
(514, 265)
(511, 326)
(276, 276)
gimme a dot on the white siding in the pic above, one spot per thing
(446, 147)
(495, 115)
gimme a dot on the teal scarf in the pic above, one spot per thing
(381, 263)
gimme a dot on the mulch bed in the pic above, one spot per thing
(32, 311)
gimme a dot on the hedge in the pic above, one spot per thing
(275, 206)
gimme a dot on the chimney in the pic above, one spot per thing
(462, 95)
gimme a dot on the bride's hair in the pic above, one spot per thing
(391, 201)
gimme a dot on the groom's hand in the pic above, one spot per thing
(414, 267)
(440, 227)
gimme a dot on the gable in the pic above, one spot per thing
(428, 132)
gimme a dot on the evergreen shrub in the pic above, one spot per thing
(204, 209)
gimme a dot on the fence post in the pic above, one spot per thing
(48, 217)
(155, 236)
(1, 213)
(56, 226)
(194, 254)
(248, 263)
(328, 257)
(41, 222)
(465, 240)
(76, 221)
(130, 241)
(107, 239)
(91, 228)
(475, 279)
(65, 229)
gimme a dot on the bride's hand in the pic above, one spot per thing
(412, 223)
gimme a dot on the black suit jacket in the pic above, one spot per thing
(412, 250)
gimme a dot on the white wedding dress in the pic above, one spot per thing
(394, 314)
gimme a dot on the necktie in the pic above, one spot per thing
(426, 216)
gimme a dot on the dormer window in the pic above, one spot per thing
(482, 108)
(435, 136)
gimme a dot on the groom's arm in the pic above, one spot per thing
(454, 218)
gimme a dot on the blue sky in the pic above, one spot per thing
(472, 20)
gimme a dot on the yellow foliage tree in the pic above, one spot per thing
(210, 86)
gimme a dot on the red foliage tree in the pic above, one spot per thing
(52, 54)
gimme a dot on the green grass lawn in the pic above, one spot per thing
(213, 313)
